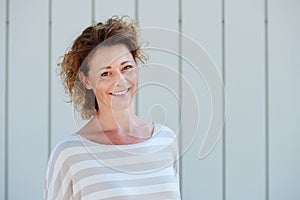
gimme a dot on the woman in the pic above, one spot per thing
(116, 155)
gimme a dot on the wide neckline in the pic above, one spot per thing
(155, 131)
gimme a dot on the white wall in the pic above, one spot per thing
(27, 117)
(245, 106)
(255, 45)
(284, 98)
(201, 20)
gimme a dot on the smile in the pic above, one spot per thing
(120, 93)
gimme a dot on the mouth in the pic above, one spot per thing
(120, 92)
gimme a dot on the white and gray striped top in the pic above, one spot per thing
(81, 169)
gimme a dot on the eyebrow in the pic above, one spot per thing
(109, 67)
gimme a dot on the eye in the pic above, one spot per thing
(105, 74)
(128, 67)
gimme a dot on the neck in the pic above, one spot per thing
(116, 120)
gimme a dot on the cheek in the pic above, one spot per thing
(101, 87)
(133, 77)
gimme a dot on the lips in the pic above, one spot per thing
(119, 92)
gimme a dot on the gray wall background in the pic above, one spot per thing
(255, 45)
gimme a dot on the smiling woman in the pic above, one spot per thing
(116, 155)
(86, 49)
(119, 79)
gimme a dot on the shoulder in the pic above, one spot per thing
(65, 148)
(165, 136)
(163, 130)
(58, 165)
(68, 142)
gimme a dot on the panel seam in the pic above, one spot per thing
(267, 100)
(93, 11)
(180, 89)
(49, 77)
(6, 128)
(224, 80)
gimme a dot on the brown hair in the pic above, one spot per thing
(116, 30)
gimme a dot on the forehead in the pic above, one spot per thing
(109, 55)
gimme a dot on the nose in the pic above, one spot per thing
(120, 78)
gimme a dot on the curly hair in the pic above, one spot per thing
(116, 30)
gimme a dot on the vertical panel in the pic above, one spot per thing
(201, 20)
(159, 84)
(105, 9)
(28, 98)
(158, 95)
(284, 98)
(67, 23)
(2, 95)
(245, 100)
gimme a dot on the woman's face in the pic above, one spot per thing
(113, 76)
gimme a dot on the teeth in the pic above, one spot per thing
(120, 92)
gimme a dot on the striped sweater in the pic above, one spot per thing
(82, 169)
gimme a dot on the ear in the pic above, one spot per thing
(84, 80)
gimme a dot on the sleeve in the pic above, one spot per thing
(177, 166)
(48, 178)
(58, 183)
